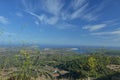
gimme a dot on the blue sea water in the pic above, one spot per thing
(78, 49)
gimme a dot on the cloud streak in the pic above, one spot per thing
(78, 13)
(44, 19)
(53, 6)
(116, 32)
(53, 12)
(63, 26)
(3, 20)
(94, 27)
(3, 33)
(77, 3)
(19, 14)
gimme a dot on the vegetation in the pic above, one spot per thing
(33, 64)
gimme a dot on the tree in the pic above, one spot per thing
(92, 63)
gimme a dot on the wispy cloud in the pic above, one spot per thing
(116, 32)
(52, 20)
(113, 36)
(93, 13)
(3, 20)
(82, 10)
(76, 4)
(39, 17)
(37, 23)
(8, 34)
(63, 26)
(4, 33)
(94, 27)
(19, 14)
(75, 10)
(53, 12)
(44, 19)
(30, 5)
(78, 13)
(90, 17)
(53, 6)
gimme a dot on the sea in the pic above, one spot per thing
(78, 49)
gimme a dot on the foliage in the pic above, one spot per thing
(27, 68)
(30, 64)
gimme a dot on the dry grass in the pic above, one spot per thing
(114, 67)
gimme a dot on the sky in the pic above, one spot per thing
(60, 22)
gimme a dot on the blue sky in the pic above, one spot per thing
(60, 22)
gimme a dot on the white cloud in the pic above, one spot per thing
(116, 32)
(39, 17)
(93, 13)
(94, 27)
(82, 10)
(19, 14)
(113, 36)
(52, 20)
(78, 13)
(56, 9)
(77, 3)
(8, 34)
(37, 23)
(53, 6)
(30, 5)
(117, 39)
(4, 33)
(44, 19)
(3, 20)
(63, 26)
(54, 12)
(90, 17)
